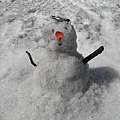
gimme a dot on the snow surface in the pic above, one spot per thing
(23, 93)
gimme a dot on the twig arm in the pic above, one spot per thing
(92, 55)
(31, 60)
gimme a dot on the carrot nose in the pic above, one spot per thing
(59, 35)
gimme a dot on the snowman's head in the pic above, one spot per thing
(60, 37)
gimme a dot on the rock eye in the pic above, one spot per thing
(65, 28)
(52, 30)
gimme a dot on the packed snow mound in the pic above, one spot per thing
(65, 70)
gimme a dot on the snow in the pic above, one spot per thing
(44, 92)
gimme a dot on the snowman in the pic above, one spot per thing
(64, 70)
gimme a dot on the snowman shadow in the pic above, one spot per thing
(101, 79)
(103, 76)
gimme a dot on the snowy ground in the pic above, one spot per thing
(21, 22)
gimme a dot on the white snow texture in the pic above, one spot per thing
(60, 87)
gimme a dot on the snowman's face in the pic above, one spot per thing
(67, 42)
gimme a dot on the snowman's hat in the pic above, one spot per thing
(58, 36)
(60, 19)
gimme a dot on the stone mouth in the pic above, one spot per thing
(59, 41)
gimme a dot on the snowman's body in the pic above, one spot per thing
(64, 71)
